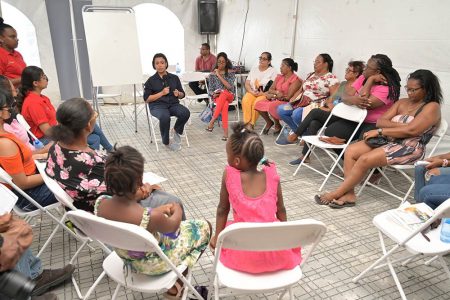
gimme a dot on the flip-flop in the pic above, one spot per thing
(209, 129)
(334, 204)
(224, 138)
(319, 200)
(180, 290)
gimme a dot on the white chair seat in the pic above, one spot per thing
(113, 266)
(418, 244)
(30, 214)
(257, 282)
(314, 139)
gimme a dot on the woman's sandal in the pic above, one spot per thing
(277, 131)
(209, 129)
(224, 138)
(179, 293)
(321, 201)
(266, 129)
(334, 204)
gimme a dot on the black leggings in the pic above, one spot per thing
(338, 127)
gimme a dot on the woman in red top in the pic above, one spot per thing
(17, 160)
(11, 61)
(39, 112)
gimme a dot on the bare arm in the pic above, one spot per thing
(44, 127)
(293, 88)
(385, 120)
(429, 116)
(166, 220)
(248, 88)
(281, 210)
(16, 81)
(222, 211)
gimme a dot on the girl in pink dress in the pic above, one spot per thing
(255, 196)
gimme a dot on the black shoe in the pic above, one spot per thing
(50, 278)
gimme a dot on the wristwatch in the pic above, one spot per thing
(380, 131)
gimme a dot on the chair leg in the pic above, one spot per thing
(365, 182)
(304, 158)
(428, 262)
(48, 240)
(116, 292)
(92, 288)
(444, 265)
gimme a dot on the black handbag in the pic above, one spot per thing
(378, 141)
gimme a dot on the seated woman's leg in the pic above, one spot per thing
(40, 193)
(340, 128)
(435, 194)
(158, 198)
(163, 115)
(222, 103)
(297, 115)
(419, 181)
(247, 107)
(316, 114)
(93, 141)
(29, 265)
(273, 106)
(255, 113)
(103, 140)
(285, 112)
(182, 114)
(359, 158)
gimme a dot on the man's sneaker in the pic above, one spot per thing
(50, 278)
(176, 138)
(47, 296)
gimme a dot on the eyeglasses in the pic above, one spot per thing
(263, 58)
(411, 90)
(348, 70)
(8, 109)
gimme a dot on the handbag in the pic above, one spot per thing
(206, 115)
(378, 141)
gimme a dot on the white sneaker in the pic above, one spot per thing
(176, 138)
(175, 146)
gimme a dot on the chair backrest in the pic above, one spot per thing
(25, 125)
(8, 199)
(349, 112)
(193, 76)
(271, 236)
(116, 234)
(439, 134)
(55, 188)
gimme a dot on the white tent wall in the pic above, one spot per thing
(37, 14)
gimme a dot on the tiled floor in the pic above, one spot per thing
(194, 173)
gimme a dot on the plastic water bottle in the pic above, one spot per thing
(38, 144)
(445, 230)
(178, 69)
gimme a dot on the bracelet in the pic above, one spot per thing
(444, 162)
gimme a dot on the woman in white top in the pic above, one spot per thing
(255, 84)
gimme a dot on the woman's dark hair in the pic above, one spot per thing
(228, 64)
(73, 116)
(157, 55)
(327, 59)
(29, 75)
(358, 66)
(291, 64)
(269, 57)
(247, 143)
(3, 26)
(6, 99)
(123, 171)
(430, 83)
(393, 78)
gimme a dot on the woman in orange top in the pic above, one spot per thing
(18, 161)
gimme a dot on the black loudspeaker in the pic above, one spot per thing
(208, 17)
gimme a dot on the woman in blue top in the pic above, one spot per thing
(162, 92)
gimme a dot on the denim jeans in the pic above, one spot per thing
(433, 191)
(29, 265)
(97, 138)
(158, 198)
(292, 117)
(41, 194)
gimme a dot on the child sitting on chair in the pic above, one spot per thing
(181, 241)
(255, 197)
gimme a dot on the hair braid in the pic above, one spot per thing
(387, 70)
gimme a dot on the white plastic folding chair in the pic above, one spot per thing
(192, 77)
(344, 111)
(264, 237)
(234, 103)
(403, 170)
(25, 125)
(413, 241)
(67, 202)
(134, 238)
(117, 97)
